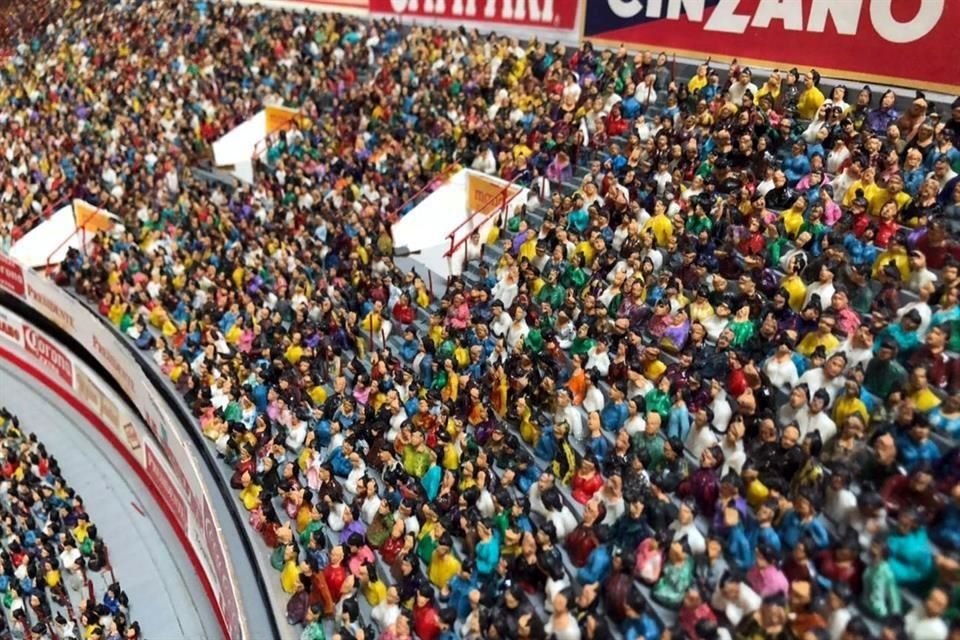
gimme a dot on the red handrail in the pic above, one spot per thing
(296, 120)
(500, 194)
(443, 176)
(80, 227)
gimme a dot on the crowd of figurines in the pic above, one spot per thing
(55, 575)
(702, 385)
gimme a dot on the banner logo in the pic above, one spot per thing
(555, 14)
(89, 391)
(11, 276)
(49, 354)
(486, 194)
(133, 438)
(53, 310)
(735, 16)
(10, 328)
(165, 486)
(866, 34)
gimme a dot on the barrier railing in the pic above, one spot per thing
(505, 199)
(437, 181)
(264, 144)
(454, 245)
(30, 221)
(81, 229)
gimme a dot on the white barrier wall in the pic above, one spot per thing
(170, 468)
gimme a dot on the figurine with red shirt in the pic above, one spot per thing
(888, 226)
(859, 220)
(587, 480)
(583, 540)
(704, 483)
(692, 610)
(841, 563)
(915, 490)
(335, 574)
(426, 617)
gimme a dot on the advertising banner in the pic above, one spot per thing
(48, 354)
(354, 7)
(279, 117)
(11, 328)
(91, 218)
(11, 276)
(165, 485)
(110, 412)
(545, 14)
(907, 42)
(485, 194)
(44, 297)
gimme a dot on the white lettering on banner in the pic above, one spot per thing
(510, 10)
(845, 15)
(693, 9)
(113, 365)
(178, 457)
(725, 18)
(48, 353)
(11, 276)
(789, 12)
(195, 499)
(889, 28)
(625, 9)
(10, 328)
(202, 529)
(728, 16)
(63, 319)
(212, 541)
(210, 533)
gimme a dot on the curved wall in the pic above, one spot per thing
(147, 553)
(59, 338)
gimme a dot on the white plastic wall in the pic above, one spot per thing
(238, 144)
(431, 221)
(51, 239)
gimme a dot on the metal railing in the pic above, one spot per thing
(505, 198)
(81, 229)
(437, 181)
(33, 219)
(264, 144)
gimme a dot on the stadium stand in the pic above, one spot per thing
(704, 385)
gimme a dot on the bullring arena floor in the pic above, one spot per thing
(143, 549)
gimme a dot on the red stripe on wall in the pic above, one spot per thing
(101, 426)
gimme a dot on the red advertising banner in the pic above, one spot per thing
(333, 5)
(11, 276)
(164, 484)
(549, 14)
(212, 540)
(49, 354)
(902, 42)
(10, 328)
